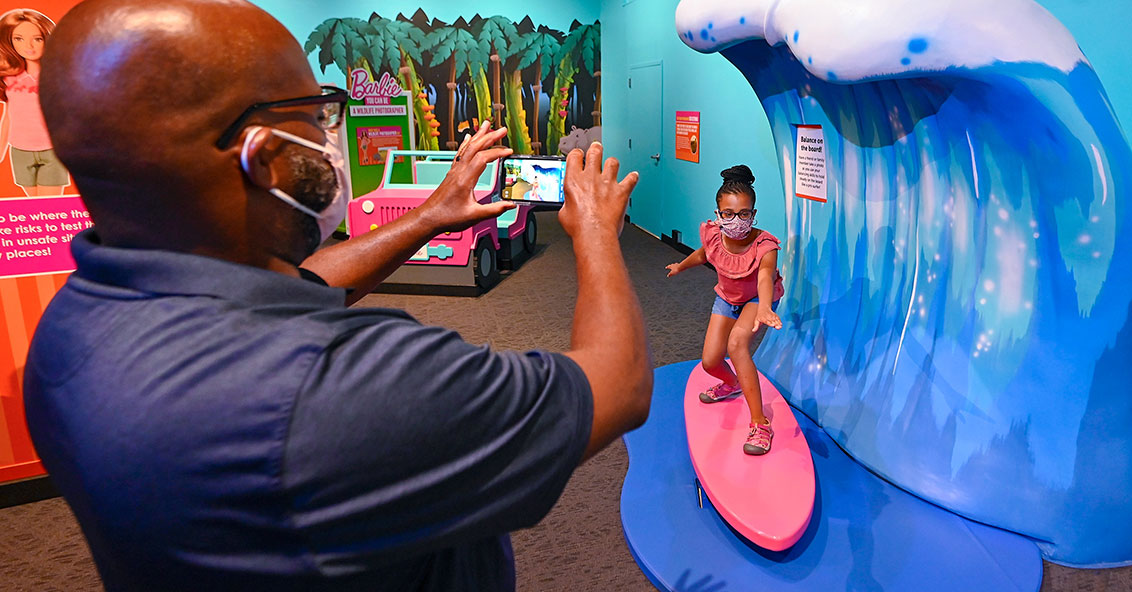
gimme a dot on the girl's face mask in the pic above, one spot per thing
(735, 228)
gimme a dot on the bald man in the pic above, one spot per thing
(214, 414)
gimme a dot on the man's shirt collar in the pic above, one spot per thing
(172, 273)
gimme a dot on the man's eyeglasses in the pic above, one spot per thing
(332, 102)
(729, 215)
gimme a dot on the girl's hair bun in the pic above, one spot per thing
(739, 174)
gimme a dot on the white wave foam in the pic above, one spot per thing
(845, 41)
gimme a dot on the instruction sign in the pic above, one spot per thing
(373, 142)
(688, 135)
(35, 250)
(810, 163)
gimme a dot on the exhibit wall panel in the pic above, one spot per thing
(34, 255)
(302, 17)
(534, 71)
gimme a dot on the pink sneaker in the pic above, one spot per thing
(720, 392)
(758, 440)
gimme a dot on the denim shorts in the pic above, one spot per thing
(724, 308)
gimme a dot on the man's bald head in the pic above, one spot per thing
(135, 91)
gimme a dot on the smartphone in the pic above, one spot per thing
(533, 179)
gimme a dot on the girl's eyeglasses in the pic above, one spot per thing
(729, 215)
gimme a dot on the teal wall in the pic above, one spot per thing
(302, 17)
(1101, 29)
(734, 128)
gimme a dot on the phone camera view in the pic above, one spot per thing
(535, 180)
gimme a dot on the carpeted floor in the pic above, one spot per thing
(579, 545)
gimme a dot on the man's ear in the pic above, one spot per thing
(255, 156)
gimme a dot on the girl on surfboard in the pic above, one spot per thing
(746, 261)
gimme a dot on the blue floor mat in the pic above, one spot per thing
(865, 533)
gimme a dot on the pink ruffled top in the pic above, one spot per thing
(738, 272)
(28, 131)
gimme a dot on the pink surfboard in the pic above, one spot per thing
(767, 499)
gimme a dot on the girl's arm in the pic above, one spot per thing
(768, 269)
(696, 258)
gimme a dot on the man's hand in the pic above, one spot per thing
(608, 337)
(453, 206)
(594, 198)
(673, 269)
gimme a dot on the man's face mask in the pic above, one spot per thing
(333, 214)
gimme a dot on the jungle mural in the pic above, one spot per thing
(539, 82)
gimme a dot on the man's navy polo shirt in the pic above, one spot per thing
(218, 426)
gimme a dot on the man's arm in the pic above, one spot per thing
(363, 262)
(608, 338)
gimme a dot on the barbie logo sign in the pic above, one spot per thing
(373, 93)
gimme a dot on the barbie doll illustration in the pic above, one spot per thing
(23, 133)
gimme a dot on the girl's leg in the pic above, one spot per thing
(715, 347)
(739, 346)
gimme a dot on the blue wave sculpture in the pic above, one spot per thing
(957, 314)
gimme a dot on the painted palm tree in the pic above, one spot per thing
(580, 49)
(459, 48)
(351, 43)
(340, 42)
(392, 43)
(531, 48)
(497, 33)
(399, 45)
(482, 91)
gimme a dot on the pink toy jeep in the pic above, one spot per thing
(457, 263)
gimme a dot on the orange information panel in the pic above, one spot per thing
(688, 135)
(36, 221)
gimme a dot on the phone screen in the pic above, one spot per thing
(533, 179)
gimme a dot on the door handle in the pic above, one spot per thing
(655, 157)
